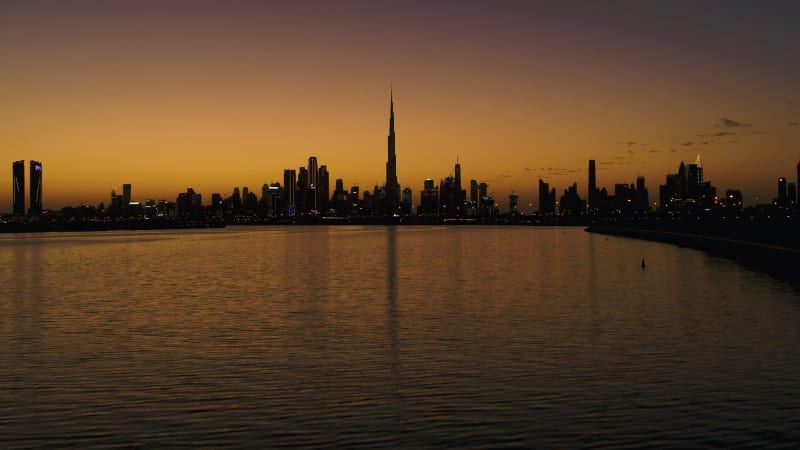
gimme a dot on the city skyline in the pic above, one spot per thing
(313, 188)
(216, 96)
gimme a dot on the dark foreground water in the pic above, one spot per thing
(444, 337)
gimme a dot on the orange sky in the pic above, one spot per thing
(213, 95)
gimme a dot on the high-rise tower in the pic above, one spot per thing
(591, 195)
(126, 194)
(18, 186)
(459, 192)
(392, 187)
(782, 192)
(313, 182)
(36, 187)
(289, 189)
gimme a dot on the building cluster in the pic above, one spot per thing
(306, 192)
(787, 193)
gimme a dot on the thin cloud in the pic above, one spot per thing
(723, 133)
(631, 152)
(733, 123)
(672, 150)
(686, 144)
(792, 124)
(655, 151)
(628, 143)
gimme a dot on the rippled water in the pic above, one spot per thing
(443, 337)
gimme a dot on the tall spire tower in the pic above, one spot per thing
(392, 187)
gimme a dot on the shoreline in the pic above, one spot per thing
(88, 226)
(775, 259)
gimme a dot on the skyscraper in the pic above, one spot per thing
(782, 191)
(126, 194)
(18, 186)
(323, 188)
(36, 187)
(429, 198)
(313, 182)
(459, 192)
(547, 198)
(392, 187)
(301, 200)
(289, 189)
(684, 185)
(513, 198)
(591, 195)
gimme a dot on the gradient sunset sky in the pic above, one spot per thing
(217, 94)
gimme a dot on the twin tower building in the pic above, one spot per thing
(18, 195)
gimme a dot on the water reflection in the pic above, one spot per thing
(392, 287)
(389, 337)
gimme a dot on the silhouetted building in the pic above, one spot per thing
(460, 196)
(792, 190)
(289, 191)
(245, 194)
(272, 199)
(451, 197)
(323, 189)
(683, 185)
(190, 204)
(36, 187)
(694, 179)
(354, 200)
(392, 195)
(642, 196)
(405, 201)
(250, 203)
(126, 194)
(670, 191)
(473, 192)
(301, 198)
(217, 204)
(487, 206)
(429, 199)
(598, 200)
(368, 203)
(687, 190)
(18, 187)
(547, 198)
(339, 200)
(782, 194)
(313, 182)
(235, 202)
(512, 202)
(570, 203)
(592, 194)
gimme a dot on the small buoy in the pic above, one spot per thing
(643, 264)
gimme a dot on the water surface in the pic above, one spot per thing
(390, 337)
